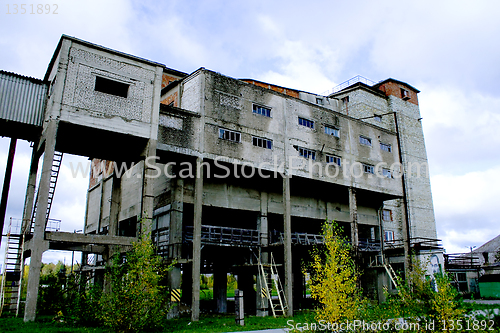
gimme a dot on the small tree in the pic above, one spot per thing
(136, 301)
(334, 278)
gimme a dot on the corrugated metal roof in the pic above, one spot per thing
(22, 99)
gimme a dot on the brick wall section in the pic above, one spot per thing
(97, 172)
(166, 79)
(286, 91)
(394, 89)
(171, 98)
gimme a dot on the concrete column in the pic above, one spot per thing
(6, 182)
(287, 245)
(262, 303)
(353, 213)
(38, 244)
(148, 182)
(30, 191)
(114, 210)
(198, 206)
(220, 286)
(175, 234)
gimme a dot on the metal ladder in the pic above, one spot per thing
(270, 281)
(391, 273)
(10, 293)
(54, 174)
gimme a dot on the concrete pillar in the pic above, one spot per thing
(30, 191)
(175, 234)
(38, 245)
(198, 206)
(353, 213)
(148, 181)
(262, 303)
(287, 245)
(6, 182)
(220, 286)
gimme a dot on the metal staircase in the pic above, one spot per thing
(10, 292)
(54, 174)
(270, 282)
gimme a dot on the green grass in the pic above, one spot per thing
(207, 323)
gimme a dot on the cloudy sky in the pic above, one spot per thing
(447, 49)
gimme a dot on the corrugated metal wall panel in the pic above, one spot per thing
(22, 99)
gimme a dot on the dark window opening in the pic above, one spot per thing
(111, 87)
(128, 227)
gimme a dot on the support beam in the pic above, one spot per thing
(38, 244)
(148, 181)
(262, 303)
(287, 228)
(30, 191)
(6, 183)
(220, 285)
(353, 213)
(175, 234)
(198, 206)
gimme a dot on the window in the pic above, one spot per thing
(332, 131)
(229, 135)
(111, 87)
(365, 141)
(389, 236)
(307, 153)
(261, 142)
(387, 215)
(345, 100)
(367, 168)
(405, 94)
(262, 110)
(377, 118)
(386, 147)
(333, 159)
(386, 173)
(319, 101)
(306, 122)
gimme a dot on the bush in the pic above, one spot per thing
(136, 300)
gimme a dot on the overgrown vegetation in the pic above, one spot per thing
(136, 300)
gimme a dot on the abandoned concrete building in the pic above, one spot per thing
(229, 175)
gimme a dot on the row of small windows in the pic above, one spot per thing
(368, 142)
(367, 168)
(306, 122)
(330, 130)
(233, 136)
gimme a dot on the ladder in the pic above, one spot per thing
(391, 273)
(10, 292)
(270, 281)
(54, 174)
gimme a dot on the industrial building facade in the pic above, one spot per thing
(230, 175)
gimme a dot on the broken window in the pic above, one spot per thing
(377, 118)
(405, 94)
(367, 168)
(111, 87)
(330, 130)
(307, 153)
(261, 142)
(365, 141)
(386, 147)
(386, 173)
(333, 159)
(229, 135)
(319, 101)
(306, 122)
(261, 110)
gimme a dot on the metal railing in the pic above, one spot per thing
(350, 82)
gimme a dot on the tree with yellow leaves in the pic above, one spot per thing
(334, 278)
